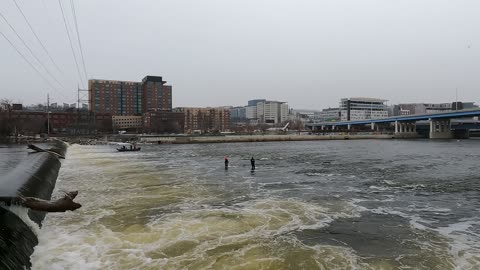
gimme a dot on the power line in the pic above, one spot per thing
(70, 40)
(36, 36)
(26, 60)
(30, 50)
(78, 37)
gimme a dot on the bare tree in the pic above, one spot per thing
(6, 123)
(6, 104)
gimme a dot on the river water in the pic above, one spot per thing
(368, 204)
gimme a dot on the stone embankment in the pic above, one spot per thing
(267, 138)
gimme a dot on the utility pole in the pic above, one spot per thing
(48, 115)
(82, 97)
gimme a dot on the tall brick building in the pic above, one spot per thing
(129, 98)
(156, 95)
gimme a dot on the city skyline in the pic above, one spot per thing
(214, 53)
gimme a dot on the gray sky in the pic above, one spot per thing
(225, 52)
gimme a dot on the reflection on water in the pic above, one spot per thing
(308, 205)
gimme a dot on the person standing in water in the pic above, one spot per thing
(252, 162)
(226, 163)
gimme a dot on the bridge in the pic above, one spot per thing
(405, 125)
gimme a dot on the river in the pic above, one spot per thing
(367, 204)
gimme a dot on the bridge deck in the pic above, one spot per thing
(447, 115)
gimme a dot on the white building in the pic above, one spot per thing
(272, 112)
(328, 115)
(251, 112)
(360, 108)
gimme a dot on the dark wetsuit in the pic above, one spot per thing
(226, 163)
(252, 161)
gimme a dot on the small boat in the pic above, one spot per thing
(128, 149)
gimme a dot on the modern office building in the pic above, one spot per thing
(238, 114)
(328, 115)
(424, 108)
(303, 114)
(254, 102)
(129, 98)
(251, 112)
(272, 112)
(361, 108)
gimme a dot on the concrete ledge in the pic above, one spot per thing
(35, 176)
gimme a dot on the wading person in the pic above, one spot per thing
(226, 163)
(252, 162)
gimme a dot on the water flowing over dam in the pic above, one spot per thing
(23, 174)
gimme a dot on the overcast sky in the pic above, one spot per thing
(225, 52)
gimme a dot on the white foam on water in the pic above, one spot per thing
(463, 242)
(379, 188)
(465, 246)
(173, 239)
(389, 182)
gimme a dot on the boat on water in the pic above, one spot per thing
(128, 149)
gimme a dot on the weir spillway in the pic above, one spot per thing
(34, 176)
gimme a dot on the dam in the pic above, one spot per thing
(24, 174)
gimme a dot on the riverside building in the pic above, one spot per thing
(361, 108)
(129, 98)
(272, 112)
(205, 120)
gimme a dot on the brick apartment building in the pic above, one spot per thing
(35, 122)
(163, 122)
(129, 98)
(205, 120)
(127, 122)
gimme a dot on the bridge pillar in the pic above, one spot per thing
(411, 128)
(405, 129)
(440, 129)
(372, 126)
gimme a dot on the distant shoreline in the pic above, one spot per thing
(182, 139)
(267, 138)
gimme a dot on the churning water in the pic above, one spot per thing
(308, 205)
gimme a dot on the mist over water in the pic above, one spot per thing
(308, 205)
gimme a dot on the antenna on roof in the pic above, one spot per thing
(456, 99)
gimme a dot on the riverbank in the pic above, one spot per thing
(268, 138)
